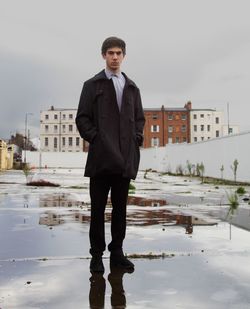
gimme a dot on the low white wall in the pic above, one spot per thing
(213, 153)
(56, 159)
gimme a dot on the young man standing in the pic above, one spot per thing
(110, 117)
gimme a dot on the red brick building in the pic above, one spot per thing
(164, 126)
(167, 125)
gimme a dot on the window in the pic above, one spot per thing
(230, 130)
(217, 133)
(46, 128)
(64, 117)
(46, 142)
(154, 142)
(183, 117)
(208, 127)
(55, 116)
(70, 116)
(63, 128)
(217, 120)
(46, 116)
(70, 127)
(202, 138)
(184, 139)
(63, 141)
(55, 142)
(77, 141)
(195, 128)
(202, 115)
(202, 127)
(155, 116)
(55, 128)
(177, 139)
(170, 117)
(195, 116)
(195, 139)
(155, 128)
(170, 129)
(70, 141)
(183, 128)
(170, 140)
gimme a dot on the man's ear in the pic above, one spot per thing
(104, 56)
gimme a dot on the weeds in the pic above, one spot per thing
(27, 170)
(234, 168)
(241, 191)
(233, 202)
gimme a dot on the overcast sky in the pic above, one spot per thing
(177, 51)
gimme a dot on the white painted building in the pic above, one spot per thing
(205, 124)
(58, 131)
(230, 129)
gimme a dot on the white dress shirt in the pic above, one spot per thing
(119, 83)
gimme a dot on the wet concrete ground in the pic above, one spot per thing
(186, 254)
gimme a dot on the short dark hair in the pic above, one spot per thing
(113, 42)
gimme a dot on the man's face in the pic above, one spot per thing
(114, 57)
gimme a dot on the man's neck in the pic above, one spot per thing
(118, 71)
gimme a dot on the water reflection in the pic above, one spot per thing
(142, 201)
(59, 200)
(65, 200)
(97, 291)
(98, 288)
(136, 217)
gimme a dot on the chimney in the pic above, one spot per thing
(188, 105)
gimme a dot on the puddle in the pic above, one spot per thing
(185, 282)
(189, 224)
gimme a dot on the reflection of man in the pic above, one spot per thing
(110, 117)
(98, 287)
(97, 291)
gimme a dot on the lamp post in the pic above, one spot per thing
(25, 137)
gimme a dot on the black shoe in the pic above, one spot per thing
(96, 265)
(119, 260)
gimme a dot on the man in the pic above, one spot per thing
(110, 117)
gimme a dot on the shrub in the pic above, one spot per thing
(131, 187)
(233, 202)
(241, 191)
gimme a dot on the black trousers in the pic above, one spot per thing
(99, 190)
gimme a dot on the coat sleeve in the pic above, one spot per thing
(139, 119)
(84, 117)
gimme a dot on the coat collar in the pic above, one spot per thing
(102, 76)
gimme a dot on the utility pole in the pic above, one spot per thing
(25, 137)
(228, 127)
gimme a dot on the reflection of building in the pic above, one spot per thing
(141, 201)
(139, 217)
(59, 200)
(51, 219)
(6, 155)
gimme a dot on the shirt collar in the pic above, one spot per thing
(109, 74)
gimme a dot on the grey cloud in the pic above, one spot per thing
(24, 87)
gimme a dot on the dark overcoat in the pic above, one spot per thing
(114, 136)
